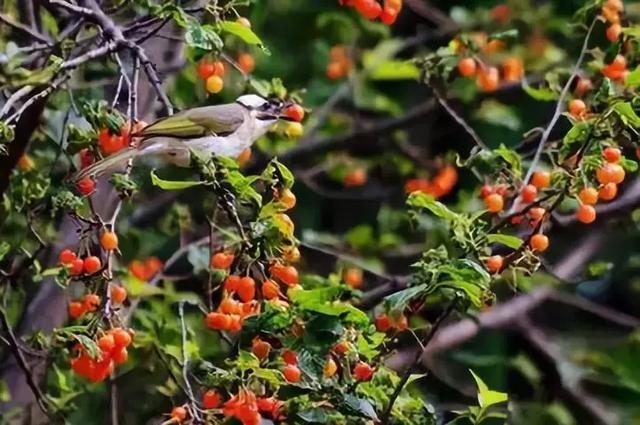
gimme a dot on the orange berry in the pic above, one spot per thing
(383, 323)
(25, 163)
(246, 289)
(356, 177)
(541, 179)
(611, 154)
(218, 321)
(335, 70)
(270, 289)
(295, 112)
(342, 347)
(577, 108)
(537, 213)
(291, 373)
(120, 355)
(512, 69)
(109, 241)
(76, 309)
(246, 62)
(494, 263)
(610, 173)
(589, 196)
(106, 343)
(244, 22)
(86, 186)
(222, 260)
(290, 357)
(608, 191)
(121, 337)
(236, 323)
(402, 323)
(617, 5)
(67, 257)
(287, 274)
(91, 302)
(353, 277)
(77, 266)
(582, 86)
(613, 32)
(539, 242)
(494, 203)
(260, 348)
(529, 193)
(231, 283)
(118, 294)
(488, 79)
(205, 69)
(211, 399)
(362, 371)
(586, 214)
(330, 368)
(287, 198)
(214, 84)
(467, 67)
(91, 264)
(179, 414)
(244, 156)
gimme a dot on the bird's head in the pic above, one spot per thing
(265, 109)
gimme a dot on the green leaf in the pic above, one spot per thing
(399, 300)
(629, 165)
(511, 157)
(172, 185)
(203, 37)
(633, 79)
(506, 240)
(360, 406)
(244, 33)
(626, 113)
(5, 395)
(544, 94)
(4, 249)
(487, 397)
(464, 270)
(89, 345)
(395, 70)
(422, 200)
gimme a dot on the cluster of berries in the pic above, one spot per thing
(371, 9)
(442, 183)
(113, 350)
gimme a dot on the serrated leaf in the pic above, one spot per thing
(422, 200)
(172, 185)
(506, 240)
(244, 33)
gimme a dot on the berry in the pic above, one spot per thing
(589, 195)
(383, 323)
(25, 163)
(353, 277)
(270, 289)
(342, 347)
(106, 343)
(77, 266)
(501, 13)
(246, 289)
(610, 173)
(121, 337)
(246, 62)
(539, 242)
(577, 108)
(244, 156)
(388, 16)
(118, 294)
(206, 69)
(222, 260)
(356, 177)
(86, 186)
(291, 373)
(287, 274)
(67, 256)
(76, 309)
(229, 306)
(586, 214)
(295, 112)
(218, 321)
(260, 348)
(608, 191)
(402, 323)
(362, 371)
(467, 67)
(494, 203)
(335, 71)
(330, 368)
(290, 357)
(582, 86)
(287, 198)
(244, 22)
(236, 323)
(611, 154)
(109, 241)
(179, 414)
(485, 191)
(231, 283)
(529, 193)
(541, 179)
(294, 130)
(91, 302)
(512, 69)
(214, 84)
(613, 32)
(488, 79)
(494, 263)
(211, 399)
(91, 264)
(120, 355)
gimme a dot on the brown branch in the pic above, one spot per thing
(27, 30)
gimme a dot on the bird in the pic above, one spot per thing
(224, 130)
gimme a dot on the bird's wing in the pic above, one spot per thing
(197, 122)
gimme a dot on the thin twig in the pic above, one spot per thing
(470, 131)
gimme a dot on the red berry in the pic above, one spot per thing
(211, 399)
(92, 264)
(260, 348)
(222, 260)
(383, 323)
(179, 414)
(290, 357)
(246, 289)
(494, 263)
(295, 112)
(529, 193)
(291, 373)
(539, 242)
(118, 294)
(86, 186)
(586, 214)
(612, 154)
(121, 337)
(467, 67)
(362, 371)
(67, 257)
(77, 266)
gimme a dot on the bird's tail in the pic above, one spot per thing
(108, 165)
